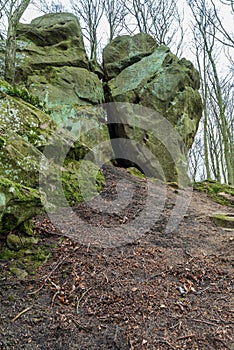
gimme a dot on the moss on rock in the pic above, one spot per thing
(224, 220)
(15, 242)
(220, 193)
(18, 204)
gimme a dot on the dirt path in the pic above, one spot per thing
(153, 290)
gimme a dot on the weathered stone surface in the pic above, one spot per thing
(67, 86)
(54, 39)
(15, 242)
(168, 86)
(20, 273)
(52, 28)
(53, 65)
(26, 132)
(125, 50)
(17, 204)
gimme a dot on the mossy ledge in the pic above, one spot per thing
(220, 193)
(224, 220)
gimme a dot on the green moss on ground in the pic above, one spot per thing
(220, 193)
(27, 259)
(135, 172)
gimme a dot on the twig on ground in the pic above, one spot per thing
(46, 277)
(186, 337)
(202, 321)
(85, 328)
(21, 313)
(226, 346)
(166, 342)
(79, 300)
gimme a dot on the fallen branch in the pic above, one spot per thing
(202, 321)
(85, 328)
(21, 313)
(186, 337)
(79, 300)
(46, 277)
(166, 342)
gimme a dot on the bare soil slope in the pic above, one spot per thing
(161, 291)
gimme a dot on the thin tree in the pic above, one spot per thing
(115, 13)
(161, 19)
(89, 13)
(14, 9)
(218, 137)
(50, 6)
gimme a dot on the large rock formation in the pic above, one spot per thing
(163, 83)
(125, 50)
(26, 132)
(52, 40)
(53, 65)
(17, 204)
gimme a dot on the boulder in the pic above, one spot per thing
(225, 220)
(125, 50)
(54, 39)
(18, 203)
(51, 29)
(53, 65)
(24, 132)
(67, 86)
(168, 87)
(35, 150)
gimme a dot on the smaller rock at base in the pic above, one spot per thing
(15, 242)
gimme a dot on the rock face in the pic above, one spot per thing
(125, 50)
(163, 83)
(51, 40)
(25, 132)
(17, 204)
(53, 65)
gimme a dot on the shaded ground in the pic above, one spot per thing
(154, 290)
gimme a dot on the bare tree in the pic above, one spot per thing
(228, 2)
(218, 130)
(161, 19)
(50, 6)
(222, 33)
(13, 9)
(89, 13)
(115, 13)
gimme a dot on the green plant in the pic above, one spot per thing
(24, 94)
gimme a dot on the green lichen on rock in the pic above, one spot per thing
(20, 273)
(15, 242)
(18, 204)
(25, 260)
(20, 117)
(168, 87)
(77, 181)
(125, 50)
(26, 227)
(220, 193)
